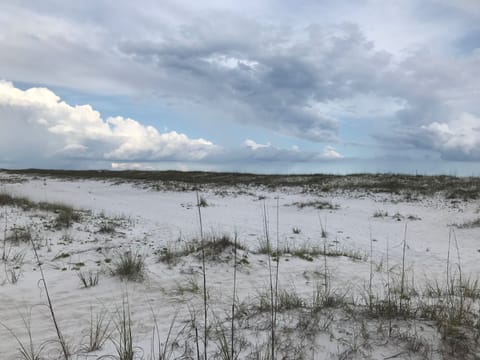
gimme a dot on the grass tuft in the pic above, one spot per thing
(21, 234)
(130, 265)
(88, 278)
(317, 204)
(123, 344)
(98, 332)
(475, 223)
(107, 227)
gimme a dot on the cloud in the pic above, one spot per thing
(329, 153)
(37, 125)
(305, 78)
(252, 72)
(455, 140)
(255, 146)
(39, 128)
(269, 153)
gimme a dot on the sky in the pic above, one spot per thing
(264, 86)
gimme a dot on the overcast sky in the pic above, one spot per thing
(265, 86)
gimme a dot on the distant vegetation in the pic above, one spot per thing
(410, 186)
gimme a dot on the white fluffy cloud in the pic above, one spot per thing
(38, 129)
(458, 139)
(36, 125)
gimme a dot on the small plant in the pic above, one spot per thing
(27, 349)
(326, 297)
(211, 247)
(107, 227)
(88, 278)
(189, 286)
(469, 224)
(61, 255)
(296, 230)
(304, 254)
(287, 299)
(10, 200)
(380, 214)
(168, 256)
(123, 344)
(13, 274)
(171, 256)
(66, 216)
(318, 204)
(309, 253)
(66, 238)
(202, 202)
(265, 248)
(21, 234)
(61, 339)
(214, 246)
(130, 265)
(14, 266)
(98, 332)
(226, 349)
(165, 350)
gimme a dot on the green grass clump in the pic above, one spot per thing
(21, 234)
(213, 246)
(22, 202)
(107, 227)
(469, 224)
(317, 204)
(66, 216)
(380, 214)
(286, 299)
(88, 278)
(130, 265)
(309, 253)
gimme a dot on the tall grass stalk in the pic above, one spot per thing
(271, 285)
(28, 351)
(389, 294)
(325, 268)
(162, 352)
(402, 281)
(61, 339)
(461, 285)
(98, 331)
(278, 261)
(124, 345)
(194, 327)
(448, 276)
(234, 294)
(204, 273)
(4, 255)
(370, 294)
